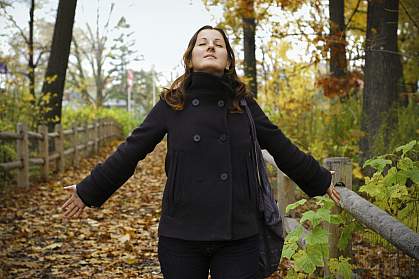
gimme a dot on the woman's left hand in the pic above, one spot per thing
(333, 194)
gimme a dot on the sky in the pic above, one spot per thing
(162, 28)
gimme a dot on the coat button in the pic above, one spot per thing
(220, 103)
(196, 138)
(224, 176)
(223, 137)
(195, 102)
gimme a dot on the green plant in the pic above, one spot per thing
(88, 113)
(316, 249)
(394, 186)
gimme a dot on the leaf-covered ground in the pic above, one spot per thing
(117, 241)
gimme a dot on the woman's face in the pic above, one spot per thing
(210, 53)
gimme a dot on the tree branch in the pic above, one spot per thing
(13, 21)
(408, 15)
(352, 15)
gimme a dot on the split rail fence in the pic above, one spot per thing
(70, 143)
(366, 213)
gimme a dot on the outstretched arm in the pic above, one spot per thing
(302, 168)
(108, 176)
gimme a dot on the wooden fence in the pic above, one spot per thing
(78, 138)
(366, 213)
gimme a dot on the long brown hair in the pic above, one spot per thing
(175, 95)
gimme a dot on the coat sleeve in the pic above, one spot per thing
(302, 168)
(107, 177)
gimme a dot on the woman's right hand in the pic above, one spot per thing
(74, 205)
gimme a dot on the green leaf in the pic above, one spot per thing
(291, 274)
(317, 236)
(295, 205)
(378, 164)
(371, 189)
(315, 255)
(311, 216)
(304, 263)
(344, 268)
(406, 148)
(346, 235)
(324, 214)
(391, 177)
(336, 219)
(324, 249)
(405, 163)
(289, 250)
(324, 202)
(413, 174)
(398, 192)
(294, 235)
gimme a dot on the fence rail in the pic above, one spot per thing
(78, 138)
(362, 210)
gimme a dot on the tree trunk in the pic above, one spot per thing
(382, 74)
(249, 30)
(31, 64)
(57, 64)
(338, 62)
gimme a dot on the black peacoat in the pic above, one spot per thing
(210, 191)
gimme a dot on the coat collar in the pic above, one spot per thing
(206, 84)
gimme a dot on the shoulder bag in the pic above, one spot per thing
(271, 239)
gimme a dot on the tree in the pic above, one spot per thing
(243, 17)
(247, 11)
(28, 37)
(338, 63)
(53, 86)
(382, 74)
(409, 48)
(122, 54)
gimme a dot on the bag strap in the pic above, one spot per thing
(276, 214)
(256, 147)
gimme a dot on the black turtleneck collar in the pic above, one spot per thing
(205, 83)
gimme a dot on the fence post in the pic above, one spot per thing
(100, 132)
(86, 138)
(343, 173)
(110, 129)
(106, 130)
(43, 150)
(285, 192)
(59, 145)
(75, 142)
(22, 150)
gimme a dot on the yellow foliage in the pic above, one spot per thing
(51, 79)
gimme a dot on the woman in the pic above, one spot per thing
(209, 210)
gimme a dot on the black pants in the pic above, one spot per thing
(187, 259)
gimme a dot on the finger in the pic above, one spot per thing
(73, 211)
(78, 213)
(336, 193)
(78, 201)
(336, 197)
(70, 208)
(69, 201)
